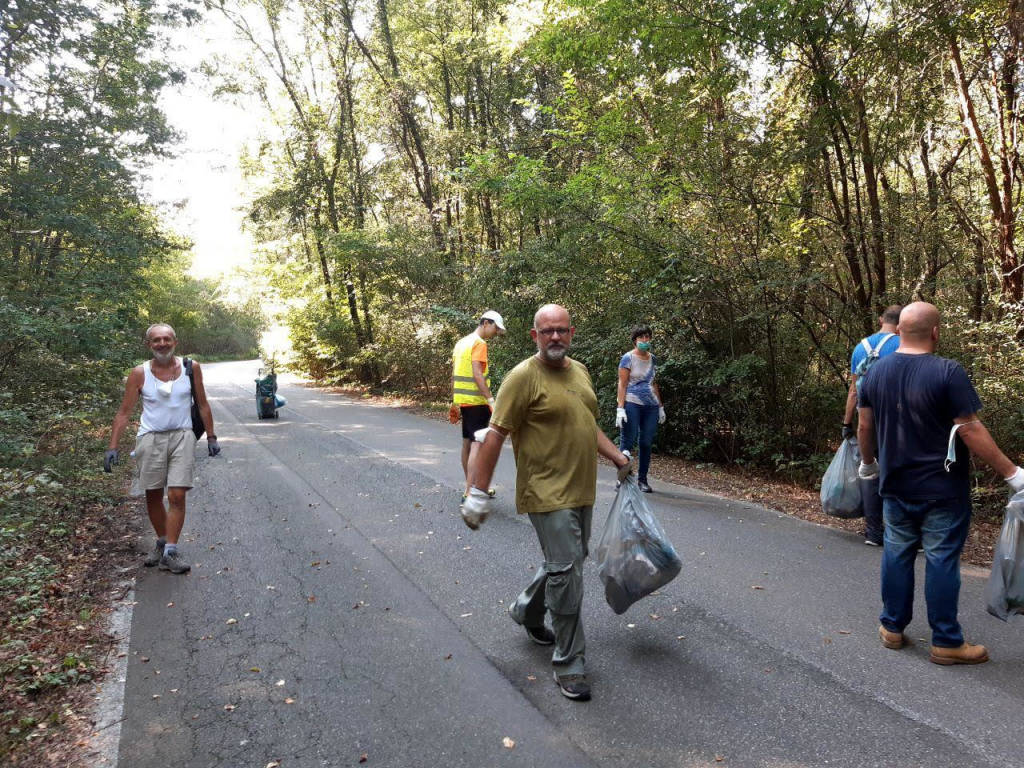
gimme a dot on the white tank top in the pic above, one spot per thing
(166, 405)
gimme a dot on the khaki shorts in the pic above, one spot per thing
(164, 460)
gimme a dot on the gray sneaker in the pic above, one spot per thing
(154, 557)
(174, 563)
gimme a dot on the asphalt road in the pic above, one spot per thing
(338, 611)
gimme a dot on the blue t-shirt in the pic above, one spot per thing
(641, 376)
(914, 399)
(859, 353)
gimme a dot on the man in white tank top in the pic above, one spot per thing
(165, 443)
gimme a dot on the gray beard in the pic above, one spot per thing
(555, 355)
(163, 357)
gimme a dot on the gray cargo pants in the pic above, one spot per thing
(558, 584)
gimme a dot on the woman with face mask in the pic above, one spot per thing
(639, 410)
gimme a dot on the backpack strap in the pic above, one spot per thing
(187, 362)
(881, 343)
(867, 346)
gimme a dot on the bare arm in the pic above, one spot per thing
(866, 434)
(131, 396)
(620, 394)
(481, 382)
(977, 438)
(609, 450)
(851, 400)
(204, 405)
(487, 457)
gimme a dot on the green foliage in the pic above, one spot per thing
(756, 179)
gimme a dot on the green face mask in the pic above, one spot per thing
(643, 346)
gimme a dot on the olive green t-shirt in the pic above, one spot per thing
(551, 414)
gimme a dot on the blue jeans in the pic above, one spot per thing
(940, 527)
(872, 502)
(642, 419)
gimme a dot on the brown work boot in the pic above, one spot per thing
(892, 640)
(965, 654)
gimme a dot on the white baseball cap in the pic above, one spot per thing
(490, 314)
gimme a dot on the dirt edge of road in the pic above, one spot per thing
(735, 483)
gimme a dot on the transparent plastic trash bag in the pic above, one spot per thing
(840, 487)
(634, 557)
(1005, 591)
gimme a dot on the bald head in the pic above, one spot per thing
(551, 314)
(552, 333)
(919, 322)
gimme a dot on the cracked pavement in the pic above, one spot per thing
(338, 611)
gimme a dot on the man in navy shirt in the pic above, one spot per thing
(877, 345)
(918, 407)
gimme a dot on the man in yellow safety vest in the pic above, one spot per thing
(471, 384)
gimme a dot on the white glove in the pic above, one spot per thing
(481, 434)
(626, 469)
(869, 471)
(661, 415)
(1016, 480)
(490, 402)
(475, 508)
(620, 417)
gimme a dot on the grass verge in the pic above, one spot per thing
(64, 533)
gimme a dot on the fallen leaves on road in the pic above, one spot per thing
(465, 615)
(279, 683)
(273, 764)
(844, 632)
(314, 564)
(231, 621)
(363, 757)
(756, 586)
(311, 599)
(508, 743)
(289, 700)
(531, 678)
(229, 707)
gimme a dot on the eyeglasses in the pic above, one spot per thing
(549, 332)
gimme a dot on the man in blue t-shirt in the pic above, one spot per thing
(877, 345)
(922, 412)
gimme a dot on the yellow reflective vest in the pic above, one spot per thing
(464, 388)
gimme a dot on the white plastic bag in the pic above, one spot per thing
(1005, 591)
(634, 556)
(840, 487)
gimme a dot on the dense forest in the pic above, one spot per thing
(756, 179)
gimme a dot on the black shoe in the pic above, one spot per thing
(574, 687)
(643, 486)
(541, 635)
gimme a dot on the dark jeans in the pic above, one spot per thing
(642, 420)
(872, 502)
(940, 527)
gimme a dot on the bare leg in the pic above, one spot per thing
(467, 452)
(175, 513)
(157, 512)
